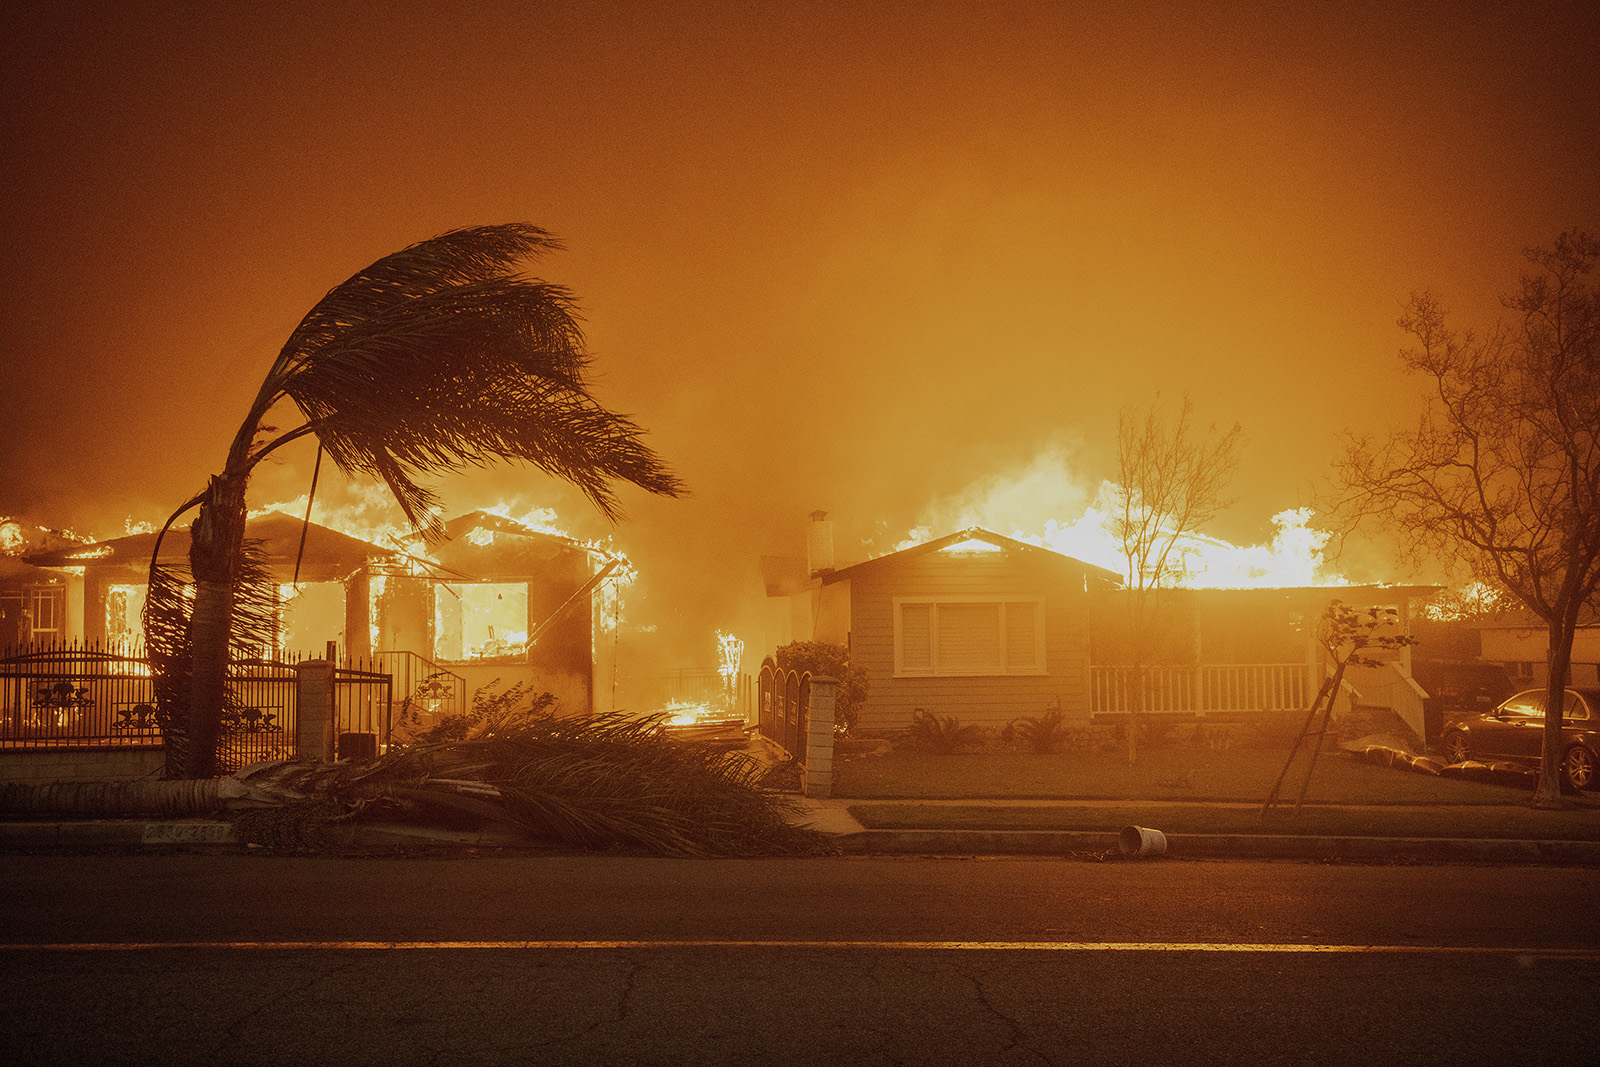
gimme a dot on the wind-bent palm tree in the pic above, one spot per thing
(433, 359)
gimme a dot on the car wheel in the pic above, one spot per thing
(1578, 768)
(1455, 747)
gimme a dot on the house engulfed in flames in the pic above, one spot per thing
(33, 600)
(492, 601)
(990, 629)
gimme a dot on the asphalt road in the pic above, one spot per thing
(575, 960)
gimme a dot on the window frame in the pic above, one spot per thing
(517, 653)
(33, 597)
(1037, 668)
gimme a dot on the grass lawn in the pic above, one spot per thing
(1186, 789)
(1174, 772)
(1433, 821)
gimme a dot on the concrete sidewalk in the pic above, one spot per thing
(833, 816)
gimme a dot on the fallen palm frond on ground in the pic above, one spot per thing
(593, 782)
(602, 782)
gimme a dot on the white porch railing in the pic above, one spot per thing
(1205, 689)
(1388, 686)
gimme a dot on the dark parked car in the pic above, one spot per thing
(1514, 733)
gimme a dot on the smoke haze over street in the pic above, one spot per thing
(878, 259)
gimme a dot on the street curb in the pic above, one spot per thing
(218, 835)
(1221, 846)
(117, 833)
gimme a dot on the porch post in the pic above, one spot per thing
(817, 780)
(314, 709)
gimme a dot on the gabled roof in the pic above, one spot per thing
(279, 534)
(972, 533)
(16, 572)
(466, 523)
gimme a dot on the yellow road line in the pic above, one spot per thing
(866, 946)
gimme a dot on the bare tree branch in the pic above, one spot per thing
(1502, 474)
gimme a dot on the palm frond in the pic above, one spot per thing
(460, 256)
(439, 358)
(167, 610)
(598, 782)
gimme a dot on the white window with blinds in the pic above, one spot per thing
(934, 636)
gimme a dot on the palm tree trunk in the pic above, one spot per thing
(112, 799)
(214, 555)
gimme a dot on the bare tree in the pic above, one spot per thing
(1171, 480)
(1502, 474)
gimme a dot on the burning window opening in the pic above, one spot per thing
(310, 615)
(730, 652)
(480, 620)
(125, 618)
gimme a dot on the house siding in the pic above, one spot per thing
(983, 699)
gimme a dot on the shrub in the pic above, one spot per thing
(1039, 733)
(833, 661)
(491, 711)
(941, 735)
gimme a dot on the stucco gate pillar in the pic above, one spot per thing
(818, 778)
(313, 736)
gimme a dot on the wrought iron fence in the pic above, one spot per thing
(72, 696)
(82, 696)
(420, 690)
(260, 723)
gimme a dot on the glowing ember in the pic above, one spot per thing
(12, 539)
(730, 651)
(687, 713)
(700, 722)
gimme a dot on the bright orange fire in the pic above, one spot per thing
(1029, 505)
(476, 619)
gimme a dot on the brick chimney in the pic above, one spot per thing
(819, 544)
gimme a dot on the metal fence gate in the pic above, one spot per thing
(785, 709)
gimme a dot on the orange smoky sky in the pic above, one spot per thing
(855, 256)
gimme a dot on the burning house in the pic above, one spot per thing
(35, 608)
(321, 575)
(990, 629)
(494, 600)
(491, 601)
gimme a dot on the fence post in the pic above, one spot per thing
(314, 710)
(817, 779)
